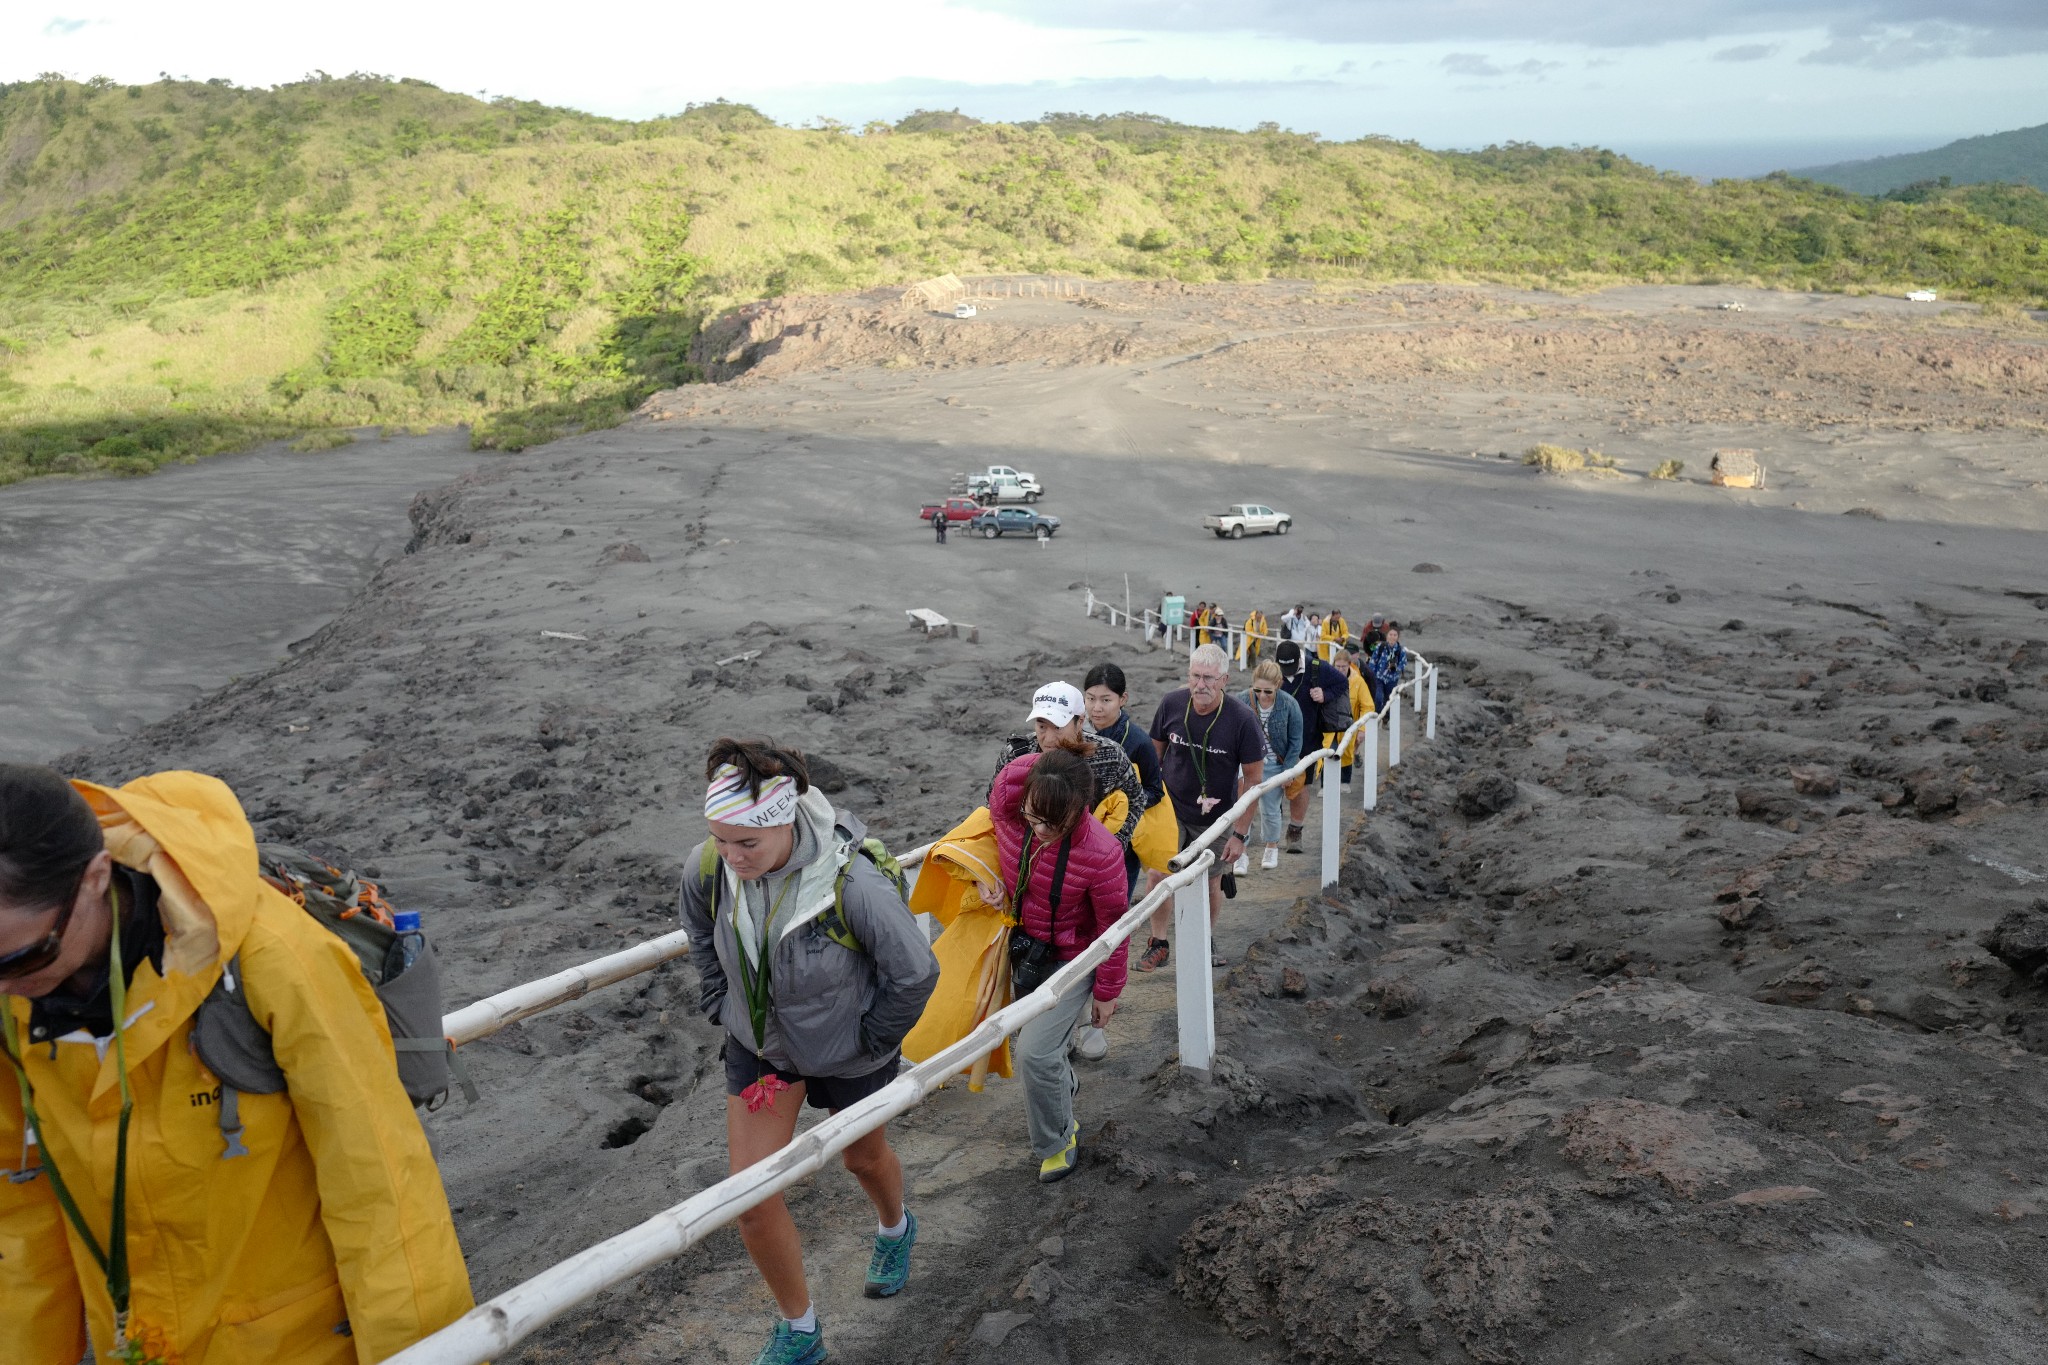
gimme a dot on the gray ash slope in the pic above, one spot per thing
(1617, 1041)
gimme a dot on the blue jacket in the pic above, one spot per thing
(1387, 664)
(1283, 727)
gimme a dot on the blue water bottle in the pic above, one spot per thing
(411, 944)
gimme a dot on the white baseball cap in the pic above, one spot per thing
(1056, 702)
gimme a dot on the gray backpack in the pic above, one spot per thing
(236, 1048)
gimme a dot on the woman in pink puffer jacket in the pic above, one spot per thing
(1063, 874)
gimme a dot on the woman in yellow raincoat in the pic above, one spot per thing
(328, 1241)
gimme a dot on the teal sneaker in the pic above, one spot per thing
(889, 1267)
(789, 1347)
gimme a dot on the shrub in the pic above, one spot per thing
(323, 440)
(1555, 459)
(1668, 470)
(116, 448)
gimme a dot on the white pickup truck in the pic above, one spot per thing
(1000, 483)
(1248, 516)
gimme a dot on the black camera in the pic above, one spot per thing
(1031, 962)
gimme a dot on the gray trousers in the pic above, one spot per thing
(1049, 1081)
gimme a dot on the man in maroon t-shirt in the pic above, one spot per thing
(1211, 751)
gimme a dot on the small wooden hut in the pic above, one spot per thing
(1736, 469)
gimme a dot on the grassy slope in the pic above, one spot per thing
(184, 266)
(2019, 157)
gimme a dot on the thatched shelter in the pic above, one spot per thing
(939, 292)
(1737, 469)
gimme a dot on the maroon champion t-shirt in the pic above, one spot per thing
(1200, 756)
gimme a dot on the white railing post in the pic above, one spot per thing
(1091, 604)
(1369, 750)
(1418, 687)
(1333, 798)
(1429, 726)
(1393, 731)
(1194, 988)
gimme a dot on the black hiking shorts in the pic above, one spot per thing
(742, 1069)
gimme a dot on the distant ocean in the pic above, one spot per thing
(1737, 160)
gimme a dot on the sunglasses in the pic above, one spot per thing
(1264, 691)
(32, 959)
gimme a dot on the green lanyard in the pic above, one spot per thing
(754, 979)
(113, 1258)
(1199, 752)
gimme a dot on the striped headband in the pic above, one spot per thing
(729, 800)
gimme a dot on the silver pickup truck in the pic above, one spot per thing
(1256, 518)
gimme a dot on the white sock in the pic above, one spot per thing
(806, 1324)
(902, 1226)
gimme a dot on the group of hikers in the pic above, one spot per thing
(159, 1208)
(1376, 649)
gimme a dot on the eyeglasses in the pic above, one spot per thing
(28, 961)
(1205, 679)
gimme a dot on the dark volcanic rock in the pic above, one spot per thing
(2020, 940)
(1334, 1276)
(1486, 793)
(1815, 780)
(827, 775)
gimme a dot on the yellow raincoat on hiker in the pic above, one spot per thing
(336, 1216)
(1361, 707)
(1333, 635)
(973, 952)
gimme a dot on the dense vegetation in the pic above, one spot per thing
(187, 266)
(2019, 157)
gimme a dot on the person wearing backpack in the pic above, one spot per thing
(808, 956)
(319, 1232)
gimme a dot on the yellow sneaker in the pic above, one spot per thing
(1061, 1164)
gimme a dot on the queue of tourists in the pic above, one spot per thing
(292, 1210)
(1376, 649)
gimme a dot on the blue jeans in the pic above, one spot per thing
(1272, 818)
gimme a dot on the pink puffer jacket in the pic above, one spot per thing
(1094, 894)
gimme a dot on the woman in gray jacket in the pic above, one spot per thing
(812, 962)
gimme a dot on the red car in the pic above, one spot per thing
(952, 509)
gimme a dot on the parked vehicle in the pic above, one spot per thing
(1922, 296)
(1254, 517)
(1015, 521)
(1004, 490)
(952, 509)
(963, 310)
(991, 484)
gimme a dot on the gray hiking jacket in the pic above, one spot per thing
(832, 1011)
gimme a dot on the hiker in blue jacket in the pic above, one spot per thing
(1383, 669)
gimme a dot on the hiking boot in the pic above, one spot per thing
(1154, 956)
(1271, 859)
(1294, 839)
(1061, 1164)
(889, 1267)
(1091, 1044)
(791, 1347)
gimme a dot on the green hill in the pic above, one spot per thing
(186, 266)
(2019, 157)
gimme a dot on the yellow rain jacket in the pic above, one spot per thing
(1334, 633)
(330, 1243)
(1255, 625)
(973, 951)
(1361, 707)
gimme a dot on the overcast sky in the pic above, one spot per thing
(1708, 86)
